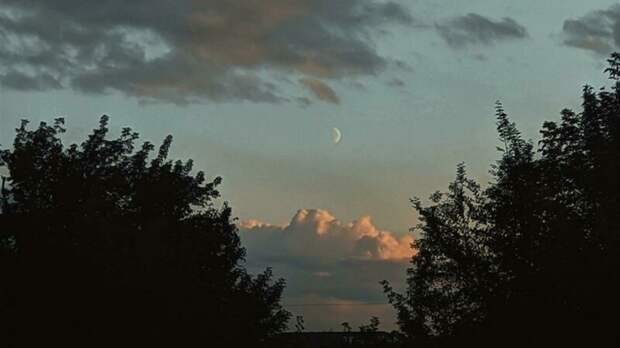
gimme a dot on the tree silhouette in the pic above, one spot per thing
(533, 259)
(102, 245)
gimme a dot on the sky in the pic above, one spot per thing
(251, 90)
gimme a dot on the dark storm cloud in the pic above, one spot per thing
(474, 29)
(597, 31)
(188, 50)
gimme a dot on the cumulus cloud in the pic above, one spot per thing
(597, 31)
(189, 50)
(329, 261)
(335, 240)
(474, 29)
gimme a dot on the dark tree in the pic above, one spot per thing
(533, 259)
(453, 271)
(102, 244)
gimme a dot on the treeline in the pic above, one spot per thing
(532, 260)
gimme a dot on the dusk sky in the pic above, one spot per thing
(252, 90)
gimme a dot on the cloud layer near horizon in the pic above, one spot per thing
(325, 260)
(190, 50)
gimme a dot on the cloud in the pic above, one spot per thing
(329, 261)
(597, 31)
(318, 317)
(189, 50)
(320, 90)
(396, 82)
(24, 82)
(336, 241)
(474, 29)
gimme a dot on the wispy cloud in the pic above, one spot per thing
(475, 29)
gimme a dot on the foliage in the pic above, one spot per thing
(371, 327)
(532, 259)
(299, 324)
(102, 243)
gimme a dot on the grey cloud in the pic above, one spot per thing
(396, 82)
(330, 318)
(474, 29)
(597, 31)
(23, 82)
(321, 90)
(189, 50)
(303, 102)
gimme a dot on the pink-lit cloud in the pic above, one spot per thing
(325, 260)
(330, 238)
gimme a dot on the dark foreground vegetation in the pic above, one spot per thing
(533, 260)
(104, 244)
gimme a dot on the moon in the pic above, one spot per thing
(336, 136)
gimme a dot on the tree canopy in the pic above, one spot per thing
(102, 243)
(533, 258)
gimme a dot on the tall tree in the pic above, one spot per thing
(533, 259)
(100, 244)
(454, 271)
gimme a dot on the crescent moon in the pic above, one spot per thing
(336, 136)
